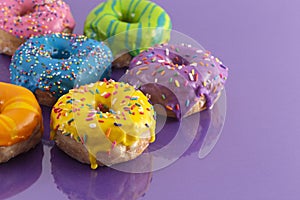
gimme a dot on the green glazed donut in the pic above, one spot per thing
(135, 25)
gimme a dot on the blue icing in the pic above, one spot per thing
(96, 23)
(114, 2)
(161, 20)
(150, 14)
(59, 62)
(143, 12)
(136, 5)
(126, 36)
(100, 9)
(129, 7)
(139, 36)
(111, 23)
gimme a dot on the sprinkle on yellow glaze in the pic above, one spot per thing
(103, 114)
(19, 114)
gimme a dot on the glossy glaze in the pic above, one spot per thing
(177, 76)
(20, 114)
(104, 114)
(26, 18)
(133, 16)
(60, 62)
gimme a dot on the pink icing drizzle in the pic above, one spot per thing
(25, 18)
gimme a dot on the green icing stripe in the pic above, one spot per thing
(143, 12)
(126, 37)
(109, 27)
(136, 5)
(113, 5)
(111, 39)
(115, 28)
(147, 14)
(96, 22)
(150, 14)
(127, 14)
(96, 12)
(99, 9)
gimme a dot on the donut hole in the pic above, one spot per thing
(103, 108)
(178, 60)
(60, 53)
(26, 11)
(130, 19)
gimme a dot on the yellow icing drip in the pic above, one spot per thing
(104, 114)
(93, 161)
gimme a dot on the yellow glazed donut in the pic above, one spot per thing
(21, 125)
(103, 123)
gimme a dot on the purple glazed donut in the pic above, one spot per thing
(183, 79)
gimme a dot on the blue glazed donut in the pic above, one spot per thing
(51, 65)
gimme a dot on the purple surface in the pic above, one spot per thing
(257, 156)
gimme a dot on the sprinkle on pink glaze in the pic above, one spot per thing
(26, 18)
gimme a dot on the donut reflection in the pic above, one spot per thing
(77, 181)
(21, 172)
(200, 134)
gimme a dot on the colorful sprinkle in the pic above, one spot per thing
(92, 125)
(108, 131)
(177, 83)
(117, 124)
(187, 103)
(169, 107)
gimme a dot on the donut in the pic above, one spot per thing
(21, 19)
(103, 123)
(144, 23)
(183, 79)
(21, 124)
(50, 65)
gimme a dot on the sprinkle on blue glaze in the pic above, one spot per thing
(59, 62)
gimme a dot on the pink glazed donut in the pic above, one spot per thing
(21, 19)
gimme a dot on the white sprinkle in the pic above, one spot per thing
(180, 67)
(114, 101)
(103, 94)
(199, 51)
(167, 52)
(194, 64)
(93, 125)
(191, 77)
(155, 80)
(161, 61)
(138, 62)
(104, 115)
(91, 85)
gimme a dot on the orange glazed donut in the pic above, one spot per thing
(21, 123)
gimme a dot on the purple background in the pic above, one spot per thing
(257, 156)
